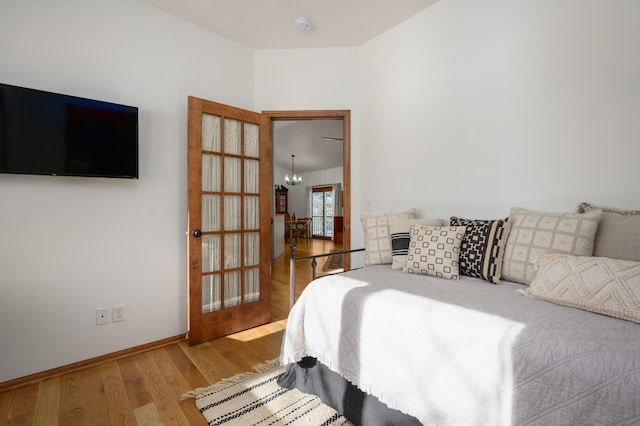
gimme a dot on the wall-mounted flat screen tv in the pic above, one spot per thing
(48, 133)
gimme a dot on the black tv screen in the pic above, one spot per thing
(48, 133)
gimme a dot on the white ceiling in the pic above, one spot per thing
(303, 138)
(270, 24)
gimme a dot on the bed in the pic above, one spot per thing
(388, 347)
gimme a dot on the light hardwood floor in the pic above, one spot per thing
(146, 388)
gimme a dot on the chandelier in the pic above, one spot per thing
(295, 179)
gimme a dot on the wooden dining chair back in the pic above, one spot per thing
(302, 230)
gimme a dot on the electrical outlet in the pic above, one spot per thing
(117, 313)
(369, 204)
(103, 315)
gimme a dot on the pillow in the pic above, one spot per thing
(482, 247)
(434, 250)
(399, 229)
(377, 238)
(535, 233)
(598, 284)
(618, 234)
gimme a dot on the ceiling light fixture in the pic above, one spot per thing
(303, 24)
(296, 179)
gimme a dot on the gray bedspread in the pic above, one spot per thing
(468, 352)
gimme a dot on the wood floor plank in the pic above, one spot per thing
(47, 406)
(94, 401)
(179, 385)
(118, 403)
(172, 376)
(165, 399)
(71, 407)
(183, 363)
(211, 363)
(147, 415)
(98, 420)
(25, 419)
(6, 399)
(137, 391)
(24, 400)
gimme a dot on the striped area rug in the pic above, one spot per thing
(333, 262)
(256, 399)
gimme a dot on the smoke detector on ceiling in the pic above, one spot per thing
(303, 24)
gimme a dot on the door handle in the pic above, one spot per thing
(197, 233)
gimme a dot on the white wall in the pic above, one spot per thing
(296, 194)
(472, 107)
(313, 79)
(468, 108)
(70, 245)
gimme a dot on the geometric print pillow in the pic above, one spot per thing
(598, 284)
(534, 233)
(434, 250)
(377, 236)
(482, 248)
(399, 229)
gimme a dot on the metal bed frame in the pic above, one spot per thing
(314, 264)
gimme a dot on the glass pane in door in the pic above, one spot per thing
(211, 172)
(230, 212)
(210, 212)
(328, 214)
(251, 140)
(252, 285)
(211, 294)
(322, 207)
(211, 253)
(232, 136)
(232, 289)
(210, 133)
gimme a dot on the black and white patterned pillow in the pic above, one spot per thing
(400, 238)
(434, 250)
(482, 248)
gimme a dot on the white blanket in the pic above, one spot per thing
(468, 352)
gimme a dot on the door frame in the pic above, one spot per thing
(345, 116)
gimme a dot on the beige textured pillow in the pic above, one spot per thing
(377, 236)
(435, 250)
(535, 233)
(400, 238)
(598, 284)
(618, 234)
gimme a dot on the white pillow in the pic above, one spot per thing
(534, 233)
(435, 250)
(377, 237)
(598, 284)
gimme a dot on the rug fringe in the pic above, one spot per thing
(223, 383)
(267, 365)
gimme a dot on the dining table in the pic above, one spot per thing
(295, 225)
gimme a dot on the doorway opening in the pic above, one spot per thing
(297, 194)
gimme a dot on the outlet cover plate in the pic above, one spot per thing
(103, 316)
(117, 313)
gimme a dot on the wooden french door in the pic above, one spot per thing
(229, 239)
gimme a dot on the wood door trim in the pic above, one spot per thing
(345, 116)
